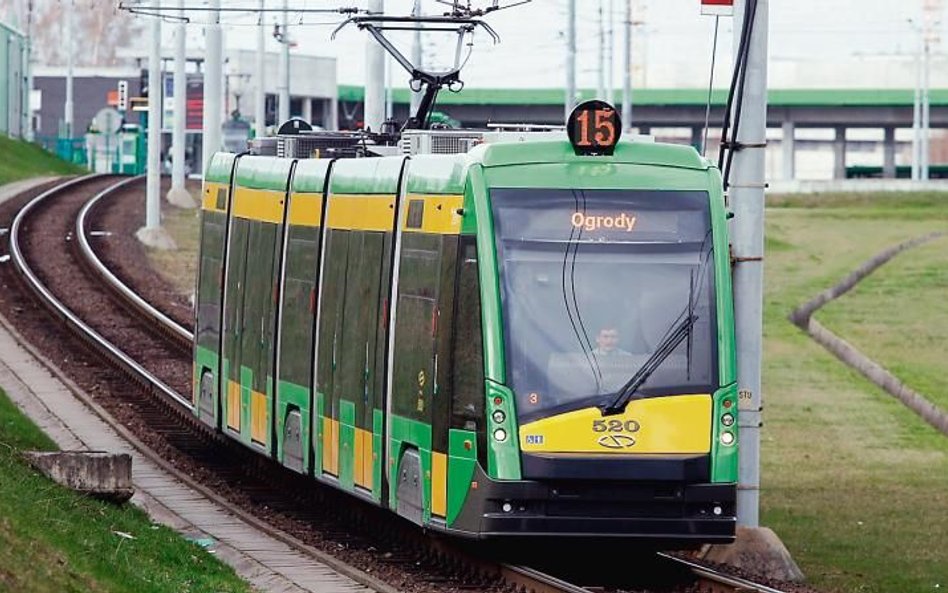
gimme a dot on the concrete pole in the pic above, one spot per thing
(374, 107)
(788, 148)
(610, 53)
(747, 234)
(213, 74)
(839, 153)
(601, 70)
(926, 113)
(627, 67)
(70, 51)
(888, 154)
(284, 84)
(178, 195)
(28, 69)
(416, 57)
(260, 97)
(153, 180)
(570, 100)
(917, 115)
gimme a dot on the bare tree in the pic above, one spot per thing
(101, 29)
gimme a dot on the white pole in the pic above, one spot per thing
(153, 183)
(260, 100)
(570, 101)
(747, 200)
(610, 54)
(180, 107)
(284, 84)
(70, 51)
(374, 109)
(917, 113)
(926, 112)
(28, 59)
(601, 82)
(627, 67)
(213, 73)
(416, 57)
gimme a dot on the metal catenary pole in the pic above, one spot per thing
(70, 51)
(180, 104)
(374, 106)
(284, 83)
(917, 112)
(153, 180)
(926, 111)
(627, 67)
(416, 55)
(746, 198)
(260, 98)
(213, 74)
(601, 69)
(570, 99)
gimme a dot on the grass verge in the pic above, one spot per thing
(20, 160)
(53, 540)
(179, 267)
(854, 483)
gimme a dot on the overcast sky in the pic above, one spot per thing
(671, 35)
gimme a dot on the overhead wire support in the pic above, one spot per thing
(431, 82)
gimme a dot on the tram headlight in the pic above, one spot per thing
(500, 435)
(499, 416)
(727, 438)
(727, 420)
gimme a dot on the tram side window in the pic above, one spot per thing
(257, 339)
(209, 283)
(296, 336)
(415, 325)
(467, 351)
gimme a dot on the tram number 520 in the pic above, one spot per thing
(594, 128)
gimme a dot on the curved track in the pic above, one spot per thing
(161, 367)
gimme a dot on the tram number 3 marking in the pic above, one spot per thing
(600, 132)
(615, 426)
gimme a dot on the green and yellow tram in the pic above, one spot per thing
(526, 339)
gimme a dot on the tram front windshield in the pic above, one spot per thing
(592, 283)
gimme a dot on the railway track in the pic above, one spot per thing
(53, 251)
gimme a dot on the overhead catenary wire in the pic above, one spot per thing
(735, 98)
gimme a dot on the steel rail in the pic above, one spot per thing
(137, 302)
(530, 579)
(732, 583)
(71, 320)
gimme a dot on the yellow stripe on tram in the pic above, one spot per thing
(361, 212)
(441, 214)
(259, 417)
(258, 204)
(363, 466)
(233, 405)
(305, 209)
(439, 483)
(330, 446)
(214, 197)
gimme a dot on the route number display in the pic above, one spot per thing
(594, 128)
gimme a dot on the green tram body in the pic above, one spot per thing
(297, 264)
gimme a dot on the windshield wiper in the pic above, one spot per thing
(662, 352)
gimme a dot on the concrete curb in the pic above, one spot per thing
(849, 355)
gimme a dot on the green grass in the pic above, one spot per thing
(20, 160)
(907, 336)
(53, 540)
(854, 483)
(179, 267)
